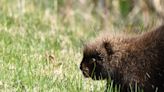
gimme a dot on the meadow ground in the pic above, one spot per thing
(37, 52)
(41, 46)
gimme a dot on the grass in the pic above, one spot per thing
(41, 46)
(40, 53)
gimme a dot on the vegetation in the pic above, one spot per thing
(41, 41)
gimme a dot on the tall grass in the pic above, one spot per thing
(41, 45)
(38, 51)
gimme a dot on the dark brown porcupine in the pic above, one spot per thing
(128, 61)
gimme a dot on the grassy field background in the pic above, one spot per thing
(41, 46)
(38, 53)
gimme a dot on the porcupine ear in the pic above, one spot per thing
(108, 47)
